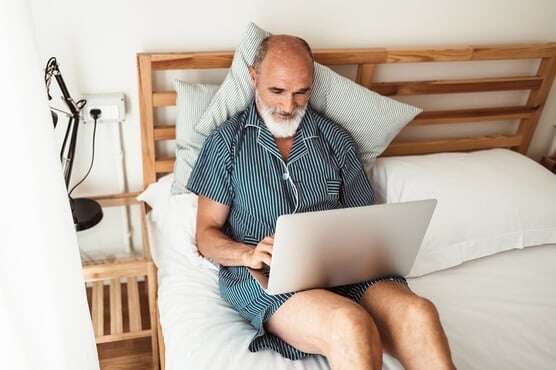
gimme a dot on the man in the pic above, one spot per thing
(276, 157)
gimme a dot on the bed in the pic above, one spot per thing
(497, 310)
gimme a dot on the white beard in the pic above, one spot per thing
(283, 128)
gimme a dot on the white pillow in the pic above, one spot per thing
(372, 119)
(489, 201)
(191, 101)
(175, 216)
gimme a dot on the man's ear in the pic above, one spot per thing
(253, 76)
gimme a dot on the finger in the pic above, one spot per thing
(266, 258)
(265, 247)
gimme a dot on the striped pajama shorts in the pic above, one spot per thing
(241, 290)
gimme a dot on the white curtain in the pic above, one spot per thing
(44, 319)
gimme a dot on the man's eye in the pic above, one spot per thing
(276, 91)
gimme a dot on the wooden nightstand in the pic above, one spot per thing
(121, 290)
(550, 163)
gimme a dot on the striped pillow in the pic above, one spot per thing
(191, 101)
(372, 119)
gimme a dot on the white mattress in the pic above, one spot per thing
(498, 312)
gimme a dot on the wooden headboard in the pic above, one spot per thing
(367, 61)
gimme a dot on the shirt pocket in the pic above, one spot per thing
(333, 188)
(320, 194)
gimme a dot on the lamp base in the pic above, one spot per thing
(86, 213)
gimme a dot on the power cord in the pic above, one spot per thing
(95, 113)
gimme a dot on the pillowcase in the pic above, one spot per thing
(175, 216)
(191, 101)
(372, 119)
(489, 201)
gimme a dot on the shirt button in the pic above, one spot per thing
(286, 176)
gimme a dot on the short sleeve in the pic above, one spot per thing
(211, 175)
(356, 189)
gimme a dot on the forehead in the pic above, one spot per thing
(286, 68)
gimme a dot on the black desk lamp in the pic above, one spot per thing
(86, 212)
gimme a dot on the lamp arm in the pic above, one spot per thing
(53, 69)
(73, 125)
(74, 109)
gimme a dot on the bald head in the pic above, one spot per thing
(286, 46)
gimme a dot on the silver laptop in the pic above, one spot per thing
(344, 246)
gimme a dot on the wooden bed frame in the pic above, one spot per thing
(367, 61)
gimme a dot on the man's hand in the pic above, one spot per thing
(261, 255)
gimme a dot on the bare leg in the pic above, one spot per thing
(409, 326)
(320, 321)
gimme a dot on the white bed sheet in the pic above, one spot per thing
(498, 312)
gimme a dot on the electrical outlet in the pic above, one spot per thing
(112, 107)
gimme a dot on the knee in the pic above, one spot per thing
(420, 310)
(351, 326)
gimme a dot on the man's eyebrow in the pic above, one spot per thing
(303, 90)
(279, 89)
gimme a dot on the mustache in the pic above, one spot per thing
(285, 114)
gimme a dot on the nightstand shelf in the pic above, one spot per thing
(122, 290)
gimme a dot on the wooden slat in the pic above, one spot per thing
(114, 270)
(134, 308)
(451, 145)
(145, 232)
(514, 51)
(164, 165)
(365, 74)
(123, 336)
(194, 60)
(472, 115)
(468, 53)
(439, 54)
(161, 346)
(98, 308)
(350, 56)
(456, 86)
(537, 98)
(164, 99)
(116, 322)
(152, 286)
(115, 200)
(165, 132)
(134, 359)
(147, 117)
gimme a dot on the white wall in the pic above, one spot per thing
(96, 42)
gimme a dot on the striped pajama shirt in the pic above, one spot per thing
(240, 166)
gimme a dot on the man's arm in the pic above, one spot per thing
(214, 244)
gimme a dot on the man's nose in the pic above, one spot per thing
(288, 105)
